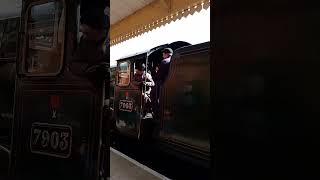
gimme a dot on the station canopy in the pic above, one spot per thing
(131, 18)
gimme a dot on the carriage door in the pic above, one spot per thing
(57, 116)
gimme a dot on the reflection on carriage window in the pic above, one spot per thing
(41, 25)
(44, 34)
(8, 38)
(124, 74)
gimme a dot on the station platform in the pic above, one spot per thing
(123, 167)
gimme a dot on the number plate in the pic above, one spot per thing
(51, 139)
(125, 105)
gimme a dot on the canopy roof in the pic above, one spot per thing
(131, 18)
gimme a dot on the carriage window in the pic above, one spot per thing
(123, 74)
(45, 36)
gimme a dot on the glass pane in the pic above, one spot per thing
(8, 39)
(124, 73)
(44, 45)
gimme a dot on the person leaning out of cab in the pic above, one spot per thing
(160, 77)
(90, 57)
(144, 81)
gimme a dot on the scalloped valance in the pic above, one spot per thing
(154, 15)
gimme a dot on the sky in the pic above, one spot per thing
(194, 29)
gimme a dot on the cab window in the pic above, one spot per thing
(8, 39)
(45, 38)
(123, 78)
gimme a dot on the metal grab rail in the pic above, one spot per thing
(5, 149)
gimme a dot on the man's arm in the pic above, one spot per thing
(149, 78)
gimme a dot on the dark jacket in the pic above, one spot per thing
(162, 74)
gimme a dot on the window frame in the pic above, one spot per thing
(56, 31)
(118, 72)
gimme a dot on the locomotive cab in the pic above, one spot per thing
(129, 106)
(58, 125)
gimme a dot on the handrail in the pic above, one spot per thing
(5, 149)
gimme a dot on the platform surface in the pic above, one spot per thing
(123, 167)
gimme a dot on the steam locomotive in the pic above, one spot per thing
(181, 125)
